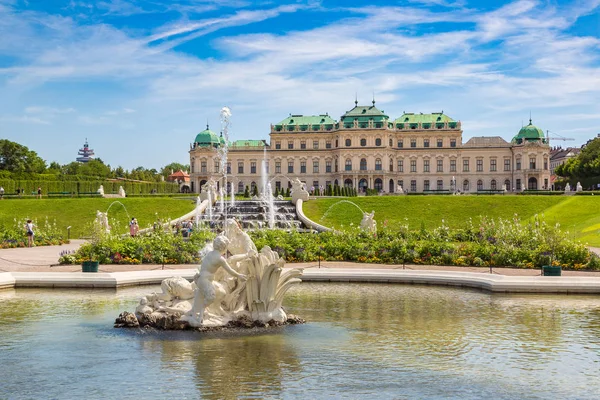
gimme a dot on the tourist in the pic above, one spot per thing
(39, 192)
(133, 227)
(1, 192)
(29, 230)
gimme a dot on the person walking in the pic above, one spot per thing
(133, 227)
(29, 231)
(39, 192)
(1, 192)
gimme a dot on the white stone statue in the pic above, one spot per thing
(298, 191)
(400, 190)
(101, 190)
(504, 188)
(368, 222)
(209, 191)
(102, 221)
(579, 188)
(220, 292)
(567, 188)
(121, 191)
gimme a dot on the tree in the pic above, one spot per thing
(247, 192)
(15, 157)
(586, 164)
(95, 168)
(255, 191)
(173, 167)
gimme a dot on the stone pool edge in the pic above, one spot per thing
(488, 282)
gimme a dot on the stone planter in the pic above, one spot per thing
(89, 266)
(550, 270)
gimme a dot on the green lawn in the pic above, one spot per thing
(79, 213)
(577, 214)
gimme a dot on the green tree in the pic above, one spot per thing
(247, 192)
(15, 157)
(95, 168)
(173, 167)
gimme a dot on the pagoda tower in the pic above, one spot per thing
(86, 154)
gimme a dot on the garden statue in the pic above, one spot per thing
(248, 285)
(102, 221)
(400, 190)
(567, 188)
(208, 191)
(101, 190)
(579, 188)
(368, 222)
(121, 191)
(298, 191)
(504, 188)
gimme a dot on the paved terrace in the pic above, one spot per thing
(36, 267)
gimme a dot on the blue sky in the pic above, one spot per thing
(140, 79)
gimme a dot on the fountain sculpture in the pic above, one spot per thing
(368, 222)
(102, 221)
(245, 289)
(298, 191)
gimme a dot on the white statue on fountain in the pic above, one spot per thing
(299, 191)
(246, 284)
(209, 191)
(368, 222)
(102, 221)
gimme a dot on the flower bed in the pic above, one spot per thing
(46, 234)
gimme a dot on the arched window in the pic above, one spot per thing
(252, 186)
(348, 164)
(465, 185)
(363, 142)
(532, 184)
(507, 184)
(391, 164)
(391, 143)
(378, 185)
(240, 187)
(479, 184)
(348, 142)
(493, 184)
(363, 185)
(391, 186)
(378, 164)
(378, 142)
(348, 183)
(363, 164)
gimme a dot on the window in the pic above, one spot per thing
(492, 165)
(363, 142)
(518, 168)
(277, 167)
(252, 187)
(507, 185)
(413, 165)
(278, 185)
(303, 144)
(465, 185)
(217, 165)
(413, 186)
(479, 165)
(518, 184)
(348, 164)
(290, 145)
(315, 167)
(278, 145)
(440, 165)
(336, 143)
(545, 163)
(316, 184)
(348, 142)
(253, 167)
(290, 167)
(452, 142)
(363, 164)
(532, 163)
(413, 142)
(378, 165)
(229, 168)
(400, 144)
(391, 143)
(493, 184)
(546, 183)
(240, 187)
(391, 165)
(328, 144)
(315, 144)
(426, 185)
(440, 184)
(400, 184)
(439, 143)
(425, 142)
(240, 167)
(400, 165)
(203, 167)
(479, 184)
(378, 142)
(336, 165)
(302, 167)
(327, 166)
(507, 164)
(425, 165)
(327, 184)
(465, 165)
(452, 165)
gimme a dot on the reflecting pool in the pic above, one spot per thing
(371, 341)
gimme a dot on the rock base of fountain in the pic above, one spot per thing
(172, 322)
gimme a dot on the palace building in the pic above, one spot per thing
(367, 149)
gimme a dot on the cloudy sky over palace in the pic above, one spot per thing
(139, 79)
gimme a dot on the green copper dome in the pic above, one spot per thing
(529, 133)
(207, 138)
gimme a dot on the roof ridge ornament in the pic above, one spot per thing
(356, 99)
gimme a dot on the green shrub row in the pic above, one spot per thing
(56, 186)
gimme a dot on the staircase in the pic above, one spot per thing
(254, 214)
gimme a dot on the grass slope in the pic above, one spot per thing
(79, 213)
(579, 215)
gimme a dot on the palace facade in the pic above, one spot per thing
(367, 149)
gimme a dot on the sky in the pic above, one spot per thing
(139, 79)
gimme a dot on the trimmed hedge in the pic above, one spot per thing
(134, 188)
